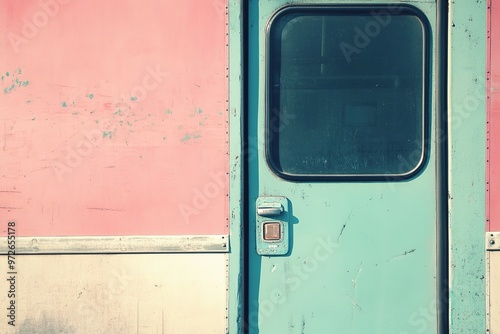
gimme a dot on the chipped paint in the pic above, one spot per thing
(188, 136)
(14, 82)
(108, 134)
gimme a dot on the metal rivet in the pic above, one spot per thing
(492, 242)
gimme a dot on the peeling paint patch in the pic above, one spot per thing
(15, 82)
(107, 134)
(190, 136)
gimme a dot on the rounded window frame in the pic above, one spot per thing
(403, 9)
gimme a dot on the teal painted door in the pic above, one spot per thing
(342, 168)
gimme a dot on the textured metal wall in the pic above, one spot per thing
(113, 117)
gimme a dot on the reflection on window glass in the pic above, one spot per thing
(346, 93)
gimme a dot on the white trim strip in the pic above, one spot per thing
(120, 244)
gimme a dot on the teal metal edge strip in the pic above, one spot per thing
(467, 152)
(236, 184)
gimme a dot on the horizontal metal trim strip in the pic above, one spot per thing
(492, 241)
(117, 244)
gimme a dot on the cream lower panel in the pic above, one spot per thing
(494, 292)
(122, 293)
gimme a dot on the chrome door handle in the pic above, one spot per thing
(270, 209)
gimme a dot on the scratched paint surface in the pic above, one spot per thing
(113, 117)
(494, 115)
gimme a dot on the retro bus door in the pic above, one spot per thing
(343, 160)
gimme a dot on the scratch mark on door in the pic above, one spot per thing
(344, 226)
(355, 279)
(404, 254)
(354, 303)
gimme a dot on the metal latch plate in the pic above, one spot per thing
(272, 235)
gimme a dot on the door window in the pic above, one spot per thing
(346, 93)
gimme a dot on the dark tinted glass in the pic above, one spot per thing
(346, 93)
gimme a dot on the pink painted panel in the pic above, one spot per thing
(494, 119)
(113, 117)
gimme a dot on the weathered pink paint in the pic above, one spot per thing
(494, 119)
(113, 117)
